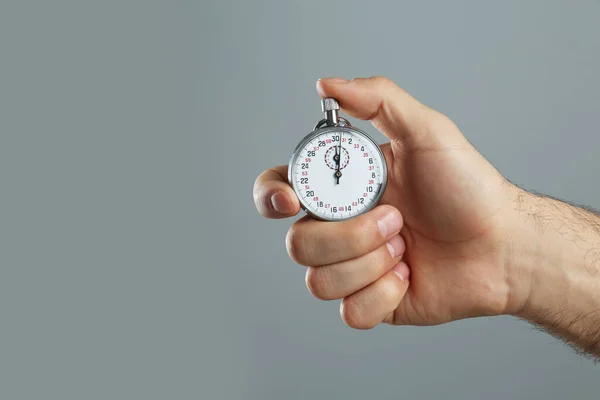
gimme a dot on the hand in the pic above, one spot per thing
(438, 246)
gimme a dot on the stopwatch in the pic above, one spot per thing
(337, 171)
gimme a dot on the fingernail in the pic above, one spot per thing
(396, 246)
(280, 203)
(389, 223)
(402, 271)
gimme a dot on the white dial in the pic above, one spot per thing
(338, 173)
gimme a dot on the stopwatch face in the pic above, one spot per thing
(337, 173)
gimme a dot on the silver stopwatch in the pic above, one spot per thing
(337, 171)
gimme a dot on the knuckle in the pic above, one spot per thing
(383, 82)
(352, 316)
(378, 81)
(317, 283)
(257, 194)
(437, 122)
(295, 244)
(380, 258)
(362, 235)
(388, 290)
(377, 262)
(348, 314)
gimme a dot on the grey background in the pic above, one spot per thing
(132, 262)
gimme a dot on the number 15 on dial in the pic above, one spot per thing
(337, 171)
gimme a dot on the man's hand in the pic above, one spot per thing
(451, 239)
(445, 199)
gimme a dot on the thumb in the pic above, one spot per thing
(391, 110)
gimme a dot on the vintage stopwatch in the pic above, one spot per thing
(337, 171)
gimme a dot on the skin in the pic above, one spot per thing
(451, 238)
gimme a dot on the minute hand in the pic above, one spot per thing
(339, 161)
(336, 158)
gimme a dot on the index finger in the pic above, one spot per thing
(273, 196)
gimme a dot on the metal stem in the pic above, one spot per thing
(332, 117)
(330, 107)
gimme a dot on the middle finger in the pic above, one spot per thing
(313, 243)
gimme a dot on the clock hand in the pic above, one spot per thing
(336, 158)
(340, 160)
(338, 174)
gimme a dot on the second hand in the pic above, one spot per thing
(338, 161)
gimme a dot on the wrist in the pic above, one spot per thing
(533, 259)
(522, 251)
(551, 259)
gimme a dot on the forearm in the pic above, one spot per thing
(554, 269)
